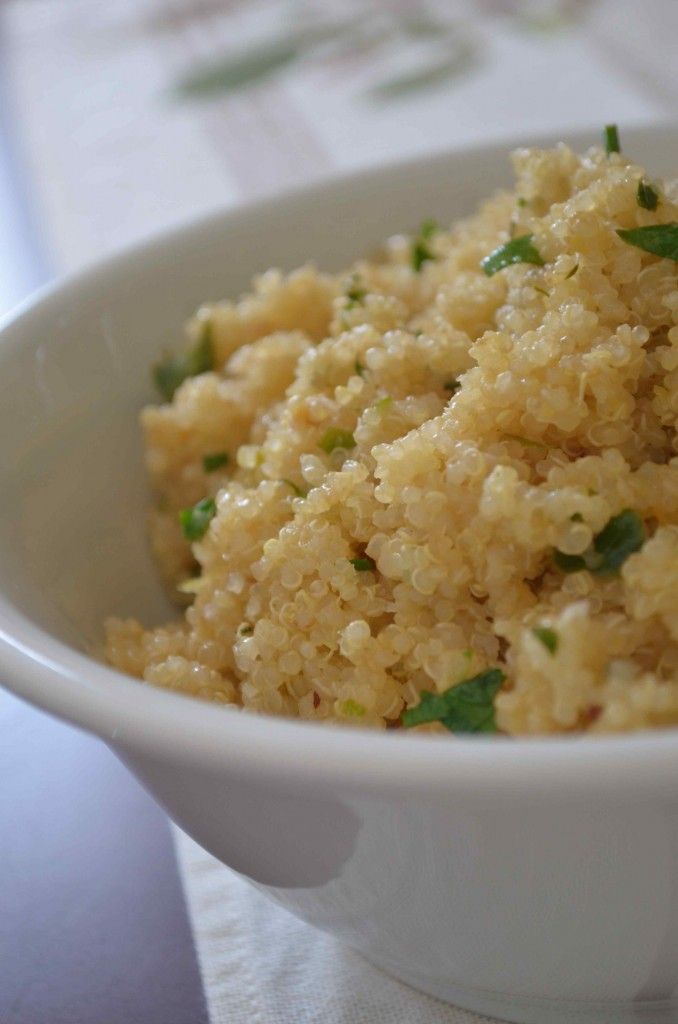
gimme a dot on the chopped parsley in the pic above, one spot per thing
(194, 521)
(335, 437)
(548, 637)
(518, 250)
(659, 239)
(421, 250)
(384, 403)
(522, 202)
(572, 272)
(215, 461)
(299, 491)
(174, 370)
(622, 536)
(352, 709)
(363, 564)
(466, 707)
(647, 196)
(611, 139)
(355, 295)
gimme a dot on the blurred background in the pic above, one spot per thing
(118, 119)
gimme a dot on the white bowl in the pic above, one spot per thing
(531, 880)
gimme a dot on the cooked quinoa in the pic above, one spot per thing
(420, 473)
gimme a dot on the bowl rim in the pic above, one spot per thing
(142, 719)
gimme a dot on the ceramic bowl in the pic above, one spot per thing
(534, 880)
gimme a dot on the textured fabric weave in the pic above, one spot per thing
(260, 965)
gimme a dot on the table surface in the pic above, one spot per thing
(93, 925)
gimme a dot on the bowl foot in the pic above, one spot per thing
(537, 1010)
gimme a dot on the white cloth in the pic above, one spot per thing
(111, 157)
(260, 965)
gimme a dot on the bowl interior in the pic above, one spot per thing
(74, 372)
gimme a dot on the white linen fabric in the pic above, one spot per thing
(260, 965)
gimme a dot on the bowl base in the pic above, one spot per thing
(537, 1010)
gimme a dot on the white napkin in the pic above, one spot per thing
(260, 965)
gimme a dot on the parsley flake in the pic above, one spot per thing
(466, 707)
(215, 461)
(548, 637)
(647, 196)
(353, 709)
(174, 370)
(611, 139)
(335, 437)
(518, 250)
(659, 239)
(363, 564)
(421, 250)
(195, 521)
(355, 296)
(622, 536)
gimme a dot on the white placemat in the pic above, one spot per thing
(124, 131)
(116, 150)
(262, 966)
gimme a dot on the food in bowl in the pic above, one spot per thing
(438, 490)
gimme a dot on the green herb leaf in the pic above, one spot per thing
(659, 239)
(174, 370)
(611, 138)
(622, 536)
(355, 296)
(421, 251)
(352, 709)
(569, 563)
(647, 196)
(195, 521)
(363, 564)
(518, 250)
(522, 202)
(384, 404)
(466, 707)
(548, 637)
(215, 461)
(428, 228)
(299, 491)
(335, 437)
